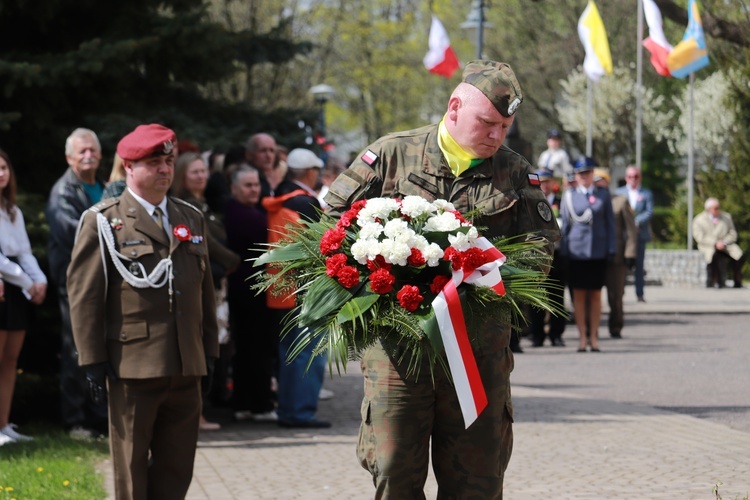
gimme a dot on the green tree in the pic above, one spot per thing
(112, 65)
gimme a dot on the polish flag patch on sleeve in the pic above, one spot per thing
(534, 180)
(369, 157)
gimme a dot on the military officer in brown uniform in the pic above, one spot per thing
(461, 159)
(143, 313)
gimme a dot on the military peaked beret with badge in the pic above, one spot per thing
(497, 81)
(147, 141)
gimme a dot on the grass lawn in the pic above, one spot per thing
(52, 466)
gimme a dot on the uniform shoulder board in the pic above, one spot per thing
(186, 204)
(104, 204)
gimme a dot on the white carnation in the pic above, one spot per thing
(432, 254)
(395, 252)
(396, 228)
(442, 223)
(376, 208)
(365, 249)
(460, 241)
(370, 230)
(445, 206)
(415, 206)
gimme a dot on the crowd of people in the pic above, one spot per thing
(153, 273)
(604, 236)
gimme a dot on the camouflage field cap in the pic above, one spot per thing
(497, 81)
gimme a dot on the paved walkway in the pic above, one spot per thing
(566, 446)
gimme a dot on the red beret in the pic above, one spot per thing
(146, 141)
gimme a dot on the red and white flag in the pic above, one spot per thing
(656, 43)
(440, 59)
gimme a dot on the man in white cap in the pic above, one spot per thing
(299, 387)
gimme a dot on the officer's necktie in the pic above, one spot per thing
(159, 216)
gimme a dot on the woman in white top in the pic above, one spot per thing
(23, 282)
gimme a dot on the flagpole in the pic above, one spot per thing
(690, 168)
(639, 89)
(589, 119)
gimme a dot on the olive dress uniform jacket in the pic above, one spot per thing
(133, 328)
(626, 230)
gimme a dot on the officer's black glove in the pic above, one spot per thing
(630, 263)
(208, 379)
(96, 377)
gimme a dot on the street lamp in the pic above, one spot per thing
(322, 93)
(475, 24)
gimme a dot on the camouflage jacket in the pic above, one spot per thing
(502, 189)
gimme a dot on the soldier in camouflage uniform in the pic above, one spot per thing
(462, 160)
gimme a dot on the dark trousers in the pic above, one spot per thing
(716, 270)
(615, 283)
(77, 409)
(556, 290)
(255, 353)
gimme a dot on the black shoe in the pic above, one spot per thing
(595, 349)
(615, 335)
(558, 343)
(516, 349)
(540, 344)
(581, 349)
(304, 424)
(641, 299)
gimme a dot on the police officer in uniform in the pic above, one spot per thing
(144, 317)
(462, 160)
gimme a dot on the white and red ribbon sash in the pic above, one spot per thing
(450, 319)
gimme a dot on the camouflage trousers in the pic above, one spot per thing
(400, 415)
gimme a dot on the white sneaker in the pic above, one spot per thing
(241, 416)
(6, 439)
(325, 394)
(9, 430)
(269, 416)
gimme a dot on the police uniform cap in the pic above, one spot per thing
(302, 159)
(554, 133)
(147, 141)
(584, 164)
(497, 81)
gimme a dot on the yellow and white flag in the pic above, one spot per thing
(598, 61)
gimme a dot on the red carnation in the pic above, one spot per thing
(472, 259)
(348, 276)
(416, 258)
(438, 283)
(334, 263)
(382, 281)
(378, 263)
(460, 217)
(331, 241)
(409, 297)
(454, 257)
(346, 218)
